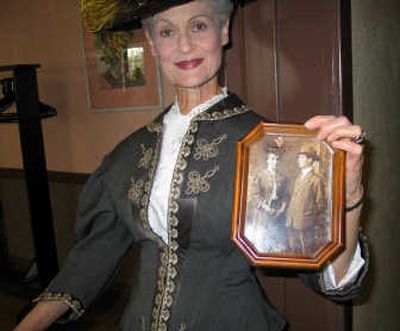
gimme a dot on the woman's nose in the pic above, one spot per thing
(185, 42)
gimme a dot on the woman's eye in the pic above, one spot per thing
(199, 26)
(167, 32)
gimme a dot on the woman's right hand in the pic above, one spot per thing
(43, 314)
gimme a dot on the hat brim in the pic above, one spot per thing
(134, 11)
(131, 19)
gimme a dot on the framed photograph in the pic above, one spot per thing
(289, 197)
(121, 72)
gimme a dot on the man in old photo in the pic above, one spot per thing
(306, 208)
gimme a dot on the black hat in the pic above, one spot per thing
(276, 146)
(122, 15)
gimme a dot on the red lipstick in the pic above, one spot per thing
(191, 64)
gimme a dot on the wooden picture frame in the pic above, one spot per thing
(289, 197)
(121, 72)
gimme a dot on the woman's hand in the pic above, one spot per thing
(43, 314)
(342, 134)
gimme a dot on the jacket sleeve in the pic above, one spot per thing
(348, 292)
(102, 241)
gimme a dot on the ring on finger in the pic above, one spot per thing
(360, 138)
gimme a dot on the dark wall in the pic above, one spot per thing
(376, 77)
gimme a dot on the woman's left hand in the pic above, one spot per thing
(342, 134)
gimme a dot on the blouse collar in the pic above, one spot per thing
(175, 114)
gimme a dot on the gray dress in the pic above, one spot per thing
(200, 281)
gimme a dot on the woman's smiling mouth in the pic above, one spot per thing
(190, 64)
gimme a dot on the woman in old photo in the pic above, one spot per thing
(267, 226)
(160, 189)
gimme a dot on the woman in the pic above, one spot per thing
(169, 187)
(267, 228)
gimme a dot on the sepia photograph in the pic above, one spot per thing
(289, 189)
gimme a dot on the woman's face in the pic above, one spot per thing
(272, 160)
(188, 43)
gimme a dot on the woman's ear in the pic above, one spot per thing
(225, 32)
(150, 42)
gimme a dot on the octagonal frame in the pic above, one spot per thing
(269, 234)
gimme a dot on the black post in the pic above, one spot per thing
(3, 242)
(27, 102)
(347, 100)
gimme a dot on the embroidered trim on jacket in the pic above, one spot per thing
(207, 150)
(154, 127)
(169, 259)
(197, 183)
(147, 154)
(74, 304)
(135, 191)
(221, 115)
(147, 186)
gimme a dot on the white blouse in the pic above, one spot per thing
(175, 126)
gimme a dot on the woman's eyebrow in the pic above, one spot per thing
(166, 20)
(199, 16)
(163, 20)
